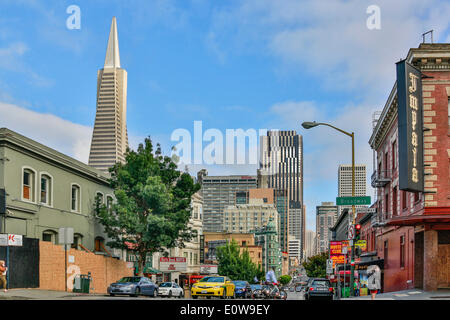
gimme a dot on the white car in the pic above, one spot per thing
(170, 289)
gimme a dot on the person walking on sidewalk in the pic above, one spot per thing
(3, 270)
(356, 287)
(374, 280)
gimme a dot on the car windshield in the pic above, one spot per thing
(321, 283)
(239, 283)
(256, 286)
(129, 279)
(212, 279)
(165, 285)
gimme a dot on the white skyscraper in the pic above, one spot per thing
(110, 138)
(345, 182)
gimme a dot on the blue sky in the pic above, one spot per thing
(256, 64)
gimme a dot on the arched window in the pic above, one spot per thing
(49, 236)
(99, 199)
(28, 184)
(46, 194)
(109, 202)
(77, 240)
(99, 244)
(75, 198)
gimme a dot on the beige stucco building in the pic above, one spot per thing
(245, 218)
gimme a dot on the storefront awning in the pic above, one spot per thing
(419, 219)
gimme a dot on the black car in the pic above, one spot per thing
(319, 288)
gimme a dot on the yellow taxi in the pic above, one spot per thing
(213, 286)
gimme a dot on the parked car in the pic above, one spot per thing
(256, 291)
(291, 289)
(170, 289)
(243, 289)
(133, 286)
(213, 286)
(319, 288)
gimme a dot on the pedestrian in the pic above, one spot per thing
(356, 287)
(3, 270)
(373, 280)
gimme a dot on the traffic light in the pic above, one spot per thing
(357, 232)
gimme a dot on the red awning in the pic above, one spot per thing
(419, 219)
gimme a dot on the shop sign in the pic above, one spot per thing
(209, 269)
(172, 264)
(410, 127)
(362, 244)
(337, 259)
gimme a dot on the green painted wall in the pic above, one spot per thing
(35, 218)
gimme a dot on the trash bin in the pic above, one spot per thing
(81, 283)
(346, 292)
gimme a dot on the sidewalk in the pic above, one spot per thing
(414, 294)
(37, 294)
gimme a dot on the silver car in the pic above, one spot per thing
(133, 286)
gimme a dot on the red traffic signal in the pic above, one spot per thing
(358, 227)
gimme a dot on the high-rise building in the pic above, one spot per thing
(326, 216)
(294, 249)
(219, 192)
(310, 243)
(244, 218)
(280, 201)
(110, 138)
(345, 182)
(281, 168)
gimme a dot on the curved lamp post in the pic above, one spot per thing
(309, 125)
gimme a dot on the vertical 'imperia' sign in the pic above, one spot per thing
(410, 127)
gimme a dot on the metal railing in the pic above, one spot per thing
(381, 178)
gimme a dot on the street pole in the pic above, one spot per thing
(352, 267)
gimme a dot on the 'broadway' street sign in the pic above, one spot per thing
(350, 201)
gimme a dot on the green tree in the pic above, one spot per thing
(153, 204)
(284, 280)
(236, 265)
(316, 266)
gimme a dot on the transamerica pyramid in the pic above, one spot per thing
(110, 137)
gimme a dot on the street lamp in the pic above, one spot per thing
(309, 125)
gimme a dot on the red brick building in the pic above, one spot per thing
(412, 230)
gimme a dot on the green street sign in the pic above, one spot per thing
(350, 201)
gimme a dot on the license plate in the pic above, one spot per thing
(204, 291)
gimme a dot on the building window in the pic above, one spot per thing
(75, 198)
(46, 189)
(99, 244)
(386, 261)
(416, 197)
(28, 181)
(402, 251)
(394, 152)
(99, 199)
(405, 200)
(76, 241)
(394, 201)
(49, 236)
(109, 202)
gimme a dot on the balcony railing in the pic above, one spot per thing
(381, 178)
(378, 220)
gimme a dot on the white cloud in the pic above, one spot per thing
(331, 38)
(59, 134)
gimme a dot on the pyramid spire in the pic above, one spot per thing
(112, 59)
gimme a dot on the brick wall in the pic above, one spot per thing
(104, 270)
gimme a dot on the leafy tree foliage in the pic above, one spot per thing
(236, 265)
(153, 204)
(316, 266)
(285, 279)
